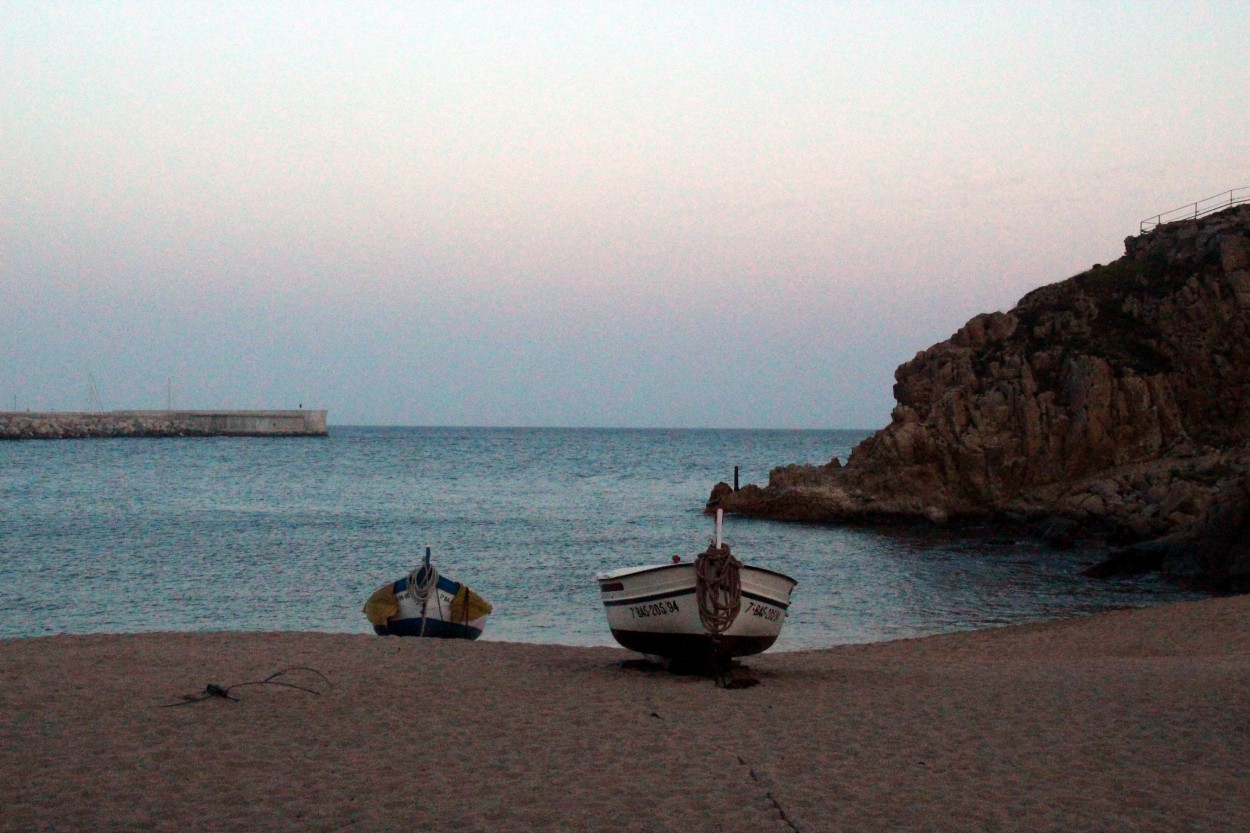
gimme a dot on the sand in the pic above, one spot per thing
(1132, 720)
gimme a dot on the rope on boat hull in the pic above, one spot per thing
(718, 588)
(422, 584)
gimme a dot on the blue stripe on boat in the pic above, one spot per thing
(445, 584)
(689, 592)
(766, 600)
(434, 628)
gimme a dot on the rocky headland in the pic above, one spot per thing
(1111, 406)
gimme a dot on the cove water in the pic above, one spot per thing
(264, 534)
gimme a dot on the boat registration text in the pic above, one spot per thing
(768, 614)
(663, 608)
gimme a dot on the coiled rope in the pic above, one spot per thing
(422, 583)
(718, 588)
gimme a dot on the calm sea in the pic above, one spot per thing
(294, 534)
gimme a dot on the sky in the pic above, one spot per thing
(601, 214)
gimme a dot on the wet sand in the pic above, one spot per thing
(1126, 721)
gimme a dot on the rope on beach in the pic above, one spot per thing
(718, 588)
(769, 795)
(422, 583)
(214, 690)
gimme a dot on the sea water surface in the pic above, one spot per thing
(132, 535)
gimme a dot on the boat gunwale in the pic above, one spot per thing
(444, 584)
(624, 572)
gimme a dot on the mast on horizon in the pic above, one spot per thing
(94, 403)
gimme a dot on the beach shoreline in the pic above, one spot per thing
(1127, 720)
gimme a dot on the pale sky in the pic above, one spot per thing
(573, 214)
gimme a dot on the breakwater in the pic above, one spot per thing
(62, 425)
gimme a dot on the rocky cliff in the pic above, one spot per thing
(1113, 404)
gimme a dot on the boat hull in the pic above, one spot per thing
(655, 611)
(433, 619)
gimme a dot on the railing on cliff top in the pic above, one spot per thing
(1197, 209)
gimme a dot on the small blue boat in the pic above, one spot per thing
(425, 603)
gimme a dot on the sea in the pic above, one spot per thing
(294, 534)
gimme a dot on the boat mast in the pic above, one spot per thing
(95, 403)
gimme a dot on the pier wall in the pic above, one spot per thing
(60, 425)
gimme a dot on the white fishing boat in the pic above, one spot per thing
(714, 605)
(424, 603)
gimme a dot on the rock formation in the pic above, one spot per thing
(1114, 404)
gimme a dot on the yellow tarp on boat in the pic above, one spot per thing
(382, 605)
(467, 605)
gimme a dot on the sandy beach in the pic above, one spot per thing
(1126, 721)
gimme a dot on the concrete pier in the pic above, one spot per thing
(62, 425)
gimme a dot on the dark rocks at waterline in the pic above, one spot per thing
(1114, 405)
(1213, 554)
